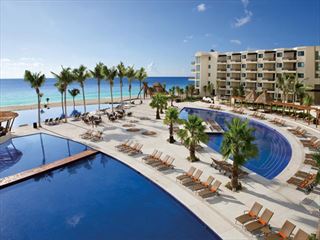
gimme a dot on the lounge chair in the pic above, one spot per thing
(46, 122)
(51, 121)
(284, 233)
(308, 142)
(202, 185)
(311, 162)
(186, 174)
(301, 133)
(167, 165)
(129, 148)
(156, 158)
(158, 161)
(294, 130)
(301, 235)
(302, 174)
(97, 136)
(87, 135)
(212, 191)
(250, 215)
(260, 222)
(262, 116)
(192, 180)
(152, 155)
(122, 144)
(254, 114)
(275, 120)
(315, 146)
(57, 120)
(135, 150)
(295, 181)
(125, 146)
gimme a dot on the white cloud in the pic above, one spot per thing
(235, 41)
(4, 60)
(201, 7)
(245, 3)
(187, 38)
(243, 20)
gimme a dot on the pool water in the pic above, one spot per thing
(94, 198)
(23, 153)
(274, 149)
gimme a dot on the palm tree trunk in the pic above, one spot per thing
(192, 151)
(39, 121)
(111, 95)
(121, 84)
(140, 89)
(171, 139)
(158, 114)
(130, 91)
(65, 105)
(74, 104)
(234, 180)
(62, 103)
(84, 99)
(99, 95)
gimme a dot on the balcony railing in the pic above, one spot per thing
(269, 58)
(269, 69)
(222, 69)
(235, 59)
(235, 69)
(193, 63)
(289, 69)
(289, 57)
(268, 79)
(222, 60)
(251, 59)
(251, 69)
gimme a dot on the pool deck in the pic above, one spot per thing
(219, 212)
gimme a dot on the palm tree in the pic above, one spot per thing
(131, 73)
(187, 91)
(97, 74)
(60, 88)
(65, 77)
(205, 88)
(238, 144)
(36, 80)
(285, 82)
(178, 90)
(141, 75)
(74, 92)
(158, 102)
(172, 117)
(122, 71)
(192, 134)
(209, 89)
(110, 74)
(308, 101)
(191, 89)
(81, 75)
(172, 95)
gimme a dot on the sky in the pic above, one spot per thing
(161, 36)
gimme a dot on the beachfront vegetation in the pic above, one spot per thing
(60, 88)
(172, 95)
(316, 157)
(36, 80)
(171, 118)
(74, 92)
(158, 102)
(109, 75)
(141, 75)
(238, 144)
(65, 77)
(97, 74)
(192, 133)
(131, 73)
(81, 74)
(122, 71)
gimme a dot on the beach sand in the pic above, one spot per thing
(69, 103)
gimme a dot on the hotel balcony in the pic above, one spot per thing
(236, 57)
(235, 79)
(193, 63)
(251, 79)
(251, 57)
(289, 56)
(235, 69)
(269, 56)
(268, 79)
(221, 69)
(289, 69)
(222, 59)
(251, 69)
(269, 69)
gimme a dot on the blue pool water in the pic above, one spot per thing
(23, 153)
(274, 149)
(95, 198)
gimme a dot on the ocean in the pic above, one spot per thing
(15, 92)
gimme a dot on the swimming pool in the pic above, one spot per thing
(23, 153)
(94, 198)
(274, 149)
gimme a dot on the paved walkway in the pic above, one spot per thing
(219, 212)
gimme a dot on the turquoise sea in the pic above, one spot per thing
(14, 92)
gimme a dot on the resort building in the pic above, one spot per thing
(256, 70)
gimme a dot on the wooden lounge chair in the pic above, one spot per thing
(301, 235)
(212, 191)
(136, 150)
(281, 123)
(129, 148)
(46, 122)
(302, 174)
(275, 120)
(311, 141)
(202, 185)
(262, 116)
(250, 215)
(97, 137)
(125, 146)
(159, 161)
(167, 165)
(260, 222)
(193, 179)
(315, 146)
(295, 181)
(51, 121)
(122, 144)
(57, 120)
(150, 155)
(186, 174)
(284, 233)
(157, 157)
(294, 130)
(311, 162)
(87, 135)
(254, 114)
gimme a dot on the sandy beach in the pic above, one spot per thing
(69, 103)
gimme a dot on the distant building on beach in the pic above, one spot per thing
(257, 70)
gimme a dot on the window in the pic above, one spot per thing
(259, 74)
(243, 65)
(259, 84)
(197, 68)
(300, 53)
(300, 75)
(279, 54)
(260, 65)
(228, 65)
(317, 56)
(300, 64)
(279, 65)
(229, 57)
(228, 74)
(228, 83)
(260, 55)
(243, 56)
(243, 75)
(209, 66)
(209, 74)
(209, 58)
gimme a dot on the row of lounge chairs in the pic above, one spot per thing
(162, 164)
(226, 168)
(313, 143)
(254, 224)
(92, 135)
(51, 121)
(303, 181)
(279, 122)
(130, 148)
(258, 115)
(204, 189)
(215, 107)
(298, 131)
(238, 110)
